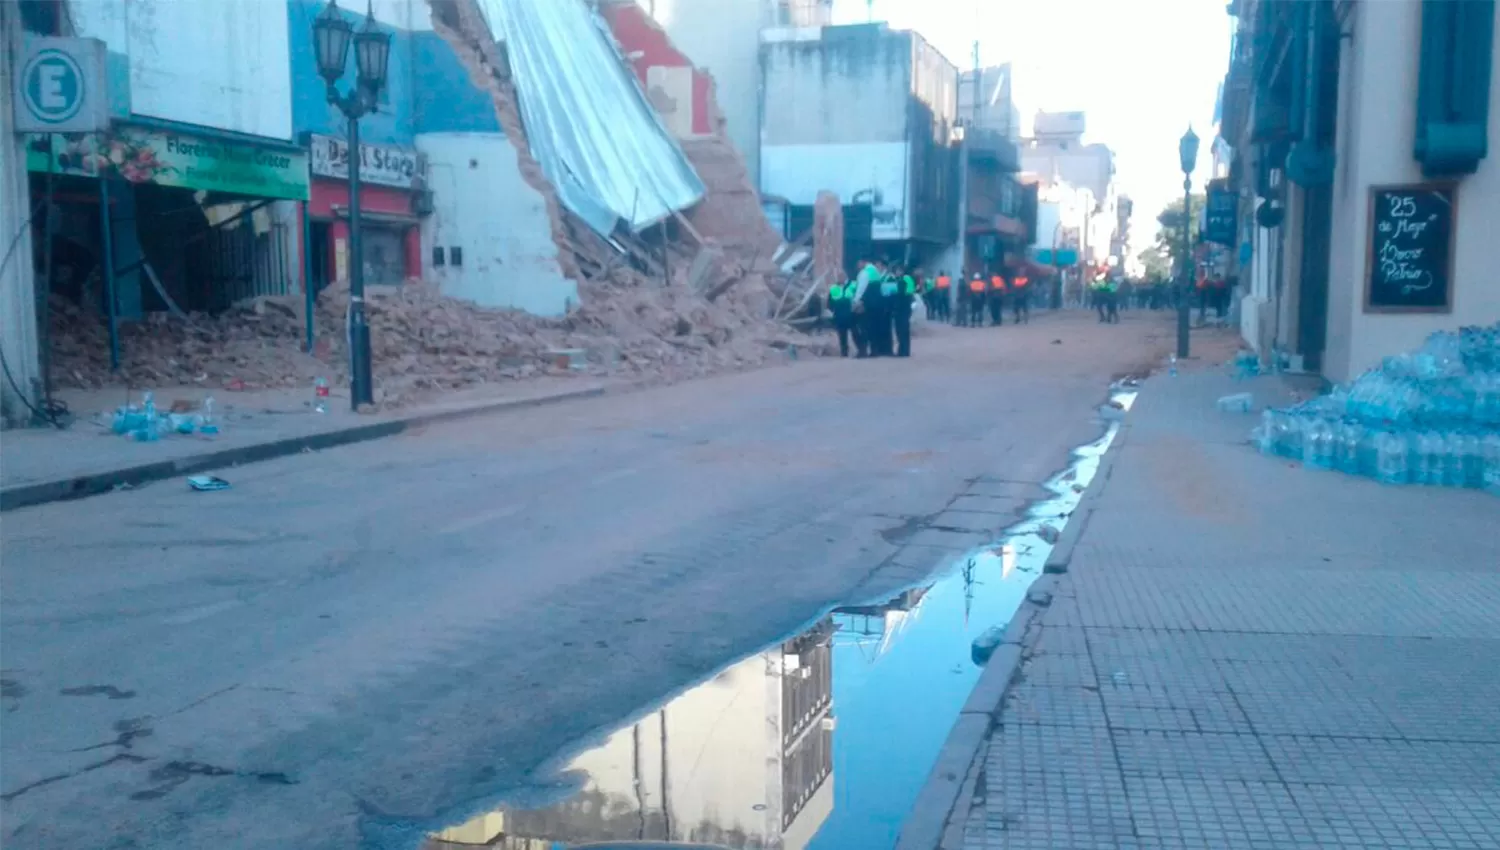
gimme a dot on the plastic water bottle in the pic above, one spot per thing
(1432, 465)
(1172, 365)
(1463, 459)
(320, 395)
(206, 423)
(1491, 449)
(1289, 436)
(1390, 458)
(1351, 440)
(1265, 435)
(149, 430)
(1317, 443)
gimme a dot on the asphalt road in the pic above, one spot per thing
(353, 647)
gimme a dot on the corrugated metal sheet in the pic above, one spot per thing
(591, 128)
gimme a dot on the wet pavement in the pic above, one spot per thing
(364, 646)
(820, 742)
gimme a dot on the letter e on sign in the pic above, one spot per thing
(60, 86)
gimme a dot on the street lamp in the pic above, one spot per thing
(1187, 151)
(332, 35)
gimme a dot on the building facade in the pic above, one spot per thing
(1360, 139)
(868, 113)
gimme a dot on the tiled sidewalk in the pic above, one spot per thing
(1248, 654)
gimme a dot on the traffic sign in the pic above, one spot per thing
(61, 86)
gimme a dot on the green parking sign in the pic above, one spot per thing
(60, 87)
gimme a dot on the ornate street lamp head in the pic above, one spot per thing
(331, 37)
(1187, 151)
(372, 54)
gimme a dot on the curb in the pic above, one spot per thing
(937, 818)
(93, 484)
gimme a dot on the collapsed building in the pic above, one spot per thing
(524, 194)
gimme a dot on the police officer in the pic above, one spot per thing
(996, 299)
(877, 319)
(841, 303)
(886, 331)
(901, 308)
(1020, 298)
(866, 289)
(976, 301)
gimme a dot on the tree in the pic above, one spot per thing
(1169, 237)
(1157, 264)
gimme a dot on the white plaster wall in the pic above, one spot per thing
(723, 745)
(482, 204)
(1376, 129)
(854, 172)
(723, 39)
(18, 331)
(221, 64)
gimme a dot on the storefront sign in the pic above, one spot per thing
(378, 164)
(60, 87)
(1411, 237)
(137, 155)
(1221, 214)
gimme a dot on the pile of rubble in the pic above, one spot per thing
(699, 294)
(421, 341)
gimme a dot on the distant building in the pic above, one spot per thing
(868, 113)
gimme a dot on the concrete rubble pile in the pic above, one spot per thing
(421, 341)
(693, 297)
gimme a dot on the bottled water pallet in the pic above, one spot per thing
(1427, 417)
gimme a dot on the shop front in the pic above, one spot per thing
(391, 202)
(192, 221)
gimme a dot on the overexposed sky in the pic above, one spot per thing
(1141, 69)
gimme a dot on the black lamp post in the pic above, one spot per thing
(1187, 151)
(332, 35)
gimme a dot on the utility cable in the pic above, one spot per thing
(51, 411)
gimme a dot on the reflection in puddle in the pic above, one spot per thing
(753, 757)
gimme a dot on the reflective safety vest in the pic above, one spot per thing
(997, 283)
(976, 285)
(840, 291)
(942, 281)
(1020, 282)
(911, 284)
(888, 286)
(927, 284)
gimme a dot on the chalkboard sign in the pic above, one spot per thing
(1411, 248)
(1221, 220)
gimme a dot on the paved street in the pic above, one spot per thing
(359, 645)
(1247, 654)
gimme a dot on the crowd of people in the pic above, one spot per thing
(872, 312)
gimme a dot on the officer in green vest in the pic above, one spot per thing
(901, 308)
(841, 303)
(879, 308)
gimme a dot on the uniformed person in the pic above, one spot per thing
(942, 292)
(885, 331)
(901, 308)
(1020, 298)
(977, 291)
(841, 304)
(866, 286)
(996, 299)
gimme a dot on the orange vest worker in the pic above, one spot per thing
(1020, 282)
(997, 283)
(976, 285)
(942, 281)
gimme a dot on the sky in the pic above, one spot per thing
(1142, 70)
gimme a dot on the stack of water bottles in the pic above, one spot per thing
(1427, 417)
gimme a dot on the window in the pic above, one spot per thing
(455, 256)
(437, 256)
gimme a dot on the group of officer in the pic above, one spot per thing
(874, 309)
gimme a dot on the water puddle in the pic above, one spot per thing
(820, 742)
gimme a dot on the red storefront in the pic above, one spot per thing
(390, 232)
